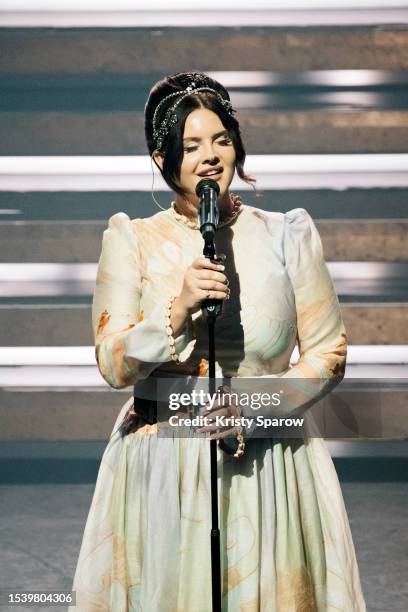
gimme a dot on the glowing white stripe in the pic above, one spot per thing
(47, 355)
(181, 5)
(85, 273)
(265, 78)
(363, 448)
(366, 270)
(33, 279)
(48, 272)
(157, 13)
(133, 173)
(51, 376)
(36, 279)
(77, 377)
(85, 355)
(10, 211)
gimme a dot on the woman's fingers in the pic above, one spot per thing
(205, 280)
(213, 413)
(211, 285)
(213, 427)
(210, 275)
(205, 262)
(216, 411)
(213, 272)
(226, 408)
(231, 432)
(208, 428)
(225, 434)
(211, 417)
(217, 290)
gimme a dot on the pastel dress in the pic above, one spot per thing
(286, 544)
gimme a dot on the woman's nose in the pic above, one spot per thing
(210, 156)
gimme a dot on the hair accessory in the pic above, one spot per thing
(170, 118)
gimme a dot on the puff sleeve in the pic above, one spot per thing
(321, 333)
(129, 347)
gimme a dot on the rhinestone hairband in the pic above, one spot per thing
(170, 118)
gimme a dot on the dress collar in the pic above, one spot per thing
(236, 210)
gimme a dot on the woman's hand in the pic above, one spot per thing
(203, 280)
(225, 406)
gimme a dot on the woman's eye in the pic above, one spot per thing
(225, 140)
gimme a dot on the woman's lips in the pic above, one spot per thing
(212, 175)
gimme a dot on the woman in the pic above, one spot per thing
(286, 544)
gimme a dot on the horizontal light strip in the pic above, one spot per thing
(48, 272)
(76, 377)
(157, 13)
(364, 270)
(181, 5)
(85, 355)
(51, 376)
(36, 279)
(259, 79)
(134, 173)
(236, 80)
(93, 449)
(10, 211)
(86, 272)
(47, 355)
(360, 448)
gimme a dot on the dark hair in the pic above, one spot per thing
(172, 146)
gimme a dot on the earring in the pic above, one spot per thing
(152, 190)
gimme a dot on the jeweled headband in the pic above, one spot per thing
(170, 118)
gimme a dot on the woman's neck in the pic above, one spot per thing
(190, 209)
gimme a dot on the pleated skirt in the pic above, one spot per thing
(285, 540)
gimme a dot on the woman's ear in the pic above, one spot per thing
(158, 159)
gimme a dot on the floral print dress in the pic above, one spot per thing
(286, 544)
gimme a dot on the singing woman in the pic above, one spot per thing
(286, 544)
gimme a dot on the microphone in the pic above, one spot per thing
(208, 190)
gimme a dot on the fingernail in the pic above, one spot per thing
(221, 267)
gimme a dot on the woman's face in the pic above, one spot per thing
(208, 153)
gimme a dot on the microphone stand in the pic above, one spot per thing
(211, 309)
(207, 191)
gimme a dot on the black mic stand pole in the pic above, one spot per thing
(207, 191)
(211, 309)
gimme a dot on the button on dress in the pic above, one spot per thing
(286, 544)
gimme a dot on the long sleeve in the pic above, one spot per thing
(128, 346)
(321, 334)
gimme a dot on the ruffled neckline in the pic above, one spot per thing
(236, 210)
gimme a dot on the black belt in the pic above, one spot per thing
(146, 409)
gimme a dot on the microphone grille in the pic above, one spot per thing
(207, 184)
